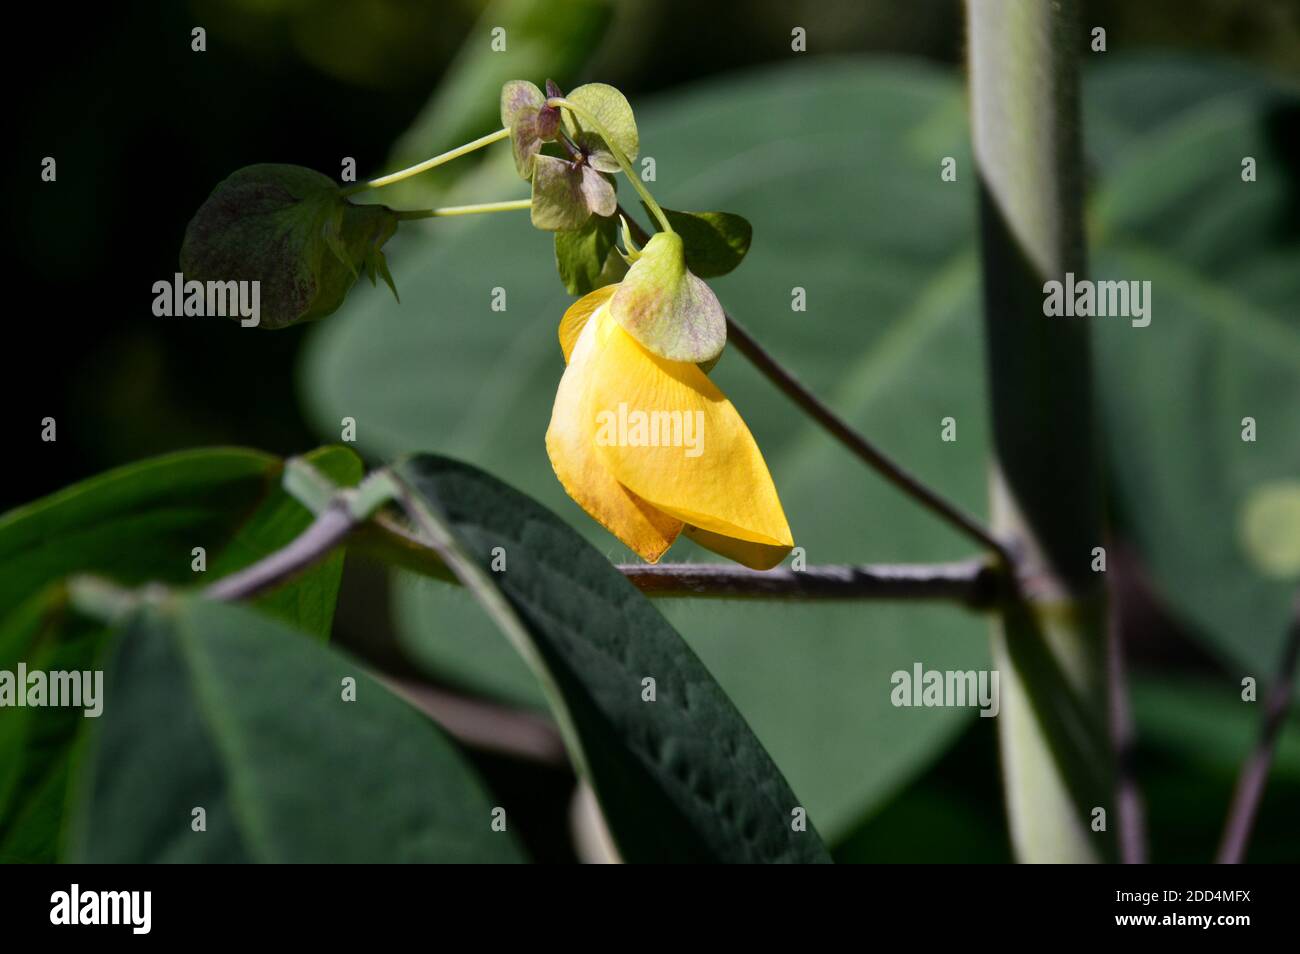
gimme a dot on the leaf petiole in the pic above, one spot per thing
(428, 164)
(511, 205)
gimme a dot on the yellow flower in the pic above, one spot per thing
(651, 448)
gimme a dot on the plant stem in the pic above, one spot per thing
(862, 448)
(621, 159)
(485, 725)
(1128, 797)
(973, 583)
(428, 164)
(1046, 486)
(1254, 771)
(840, 429)
(325, 533)
(511, 205)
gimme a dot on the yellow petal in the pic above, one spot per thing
(575, 319)
(571, 447)
(756, 556)
(706, 470)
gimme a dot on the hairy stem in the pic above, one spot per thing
(972, 583)
(1254, 772)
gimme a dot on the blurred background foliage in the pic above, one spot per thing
(143, 129)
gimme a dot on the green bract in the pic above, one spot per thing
(565, 194)
(666, 308)
(290, 229)
(715, 242)
(530, 121)
(611, 112)
(588, 257)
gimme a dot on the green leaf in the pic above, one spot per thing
(1208, 510)
(520, 103)
(135, 524)
(566, 195)
(37, 744)
(140, 523)
(218, 706)
(716, 242)
(291, 230)
(679, 778)
(587, 258)
(611, 112)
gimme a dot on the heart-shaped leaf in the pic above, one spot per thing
(291, 231)
(566, 194)
(612, 113)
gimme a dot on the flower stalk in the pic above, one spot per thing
(479, 208)
(427, 164)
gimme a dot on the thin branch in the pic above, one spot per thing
(428, 164)
(843, 432)
(1254, 771)
(1128, 796)
(972, 583)
(325, 532)
(485, 725)
(840, 429)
